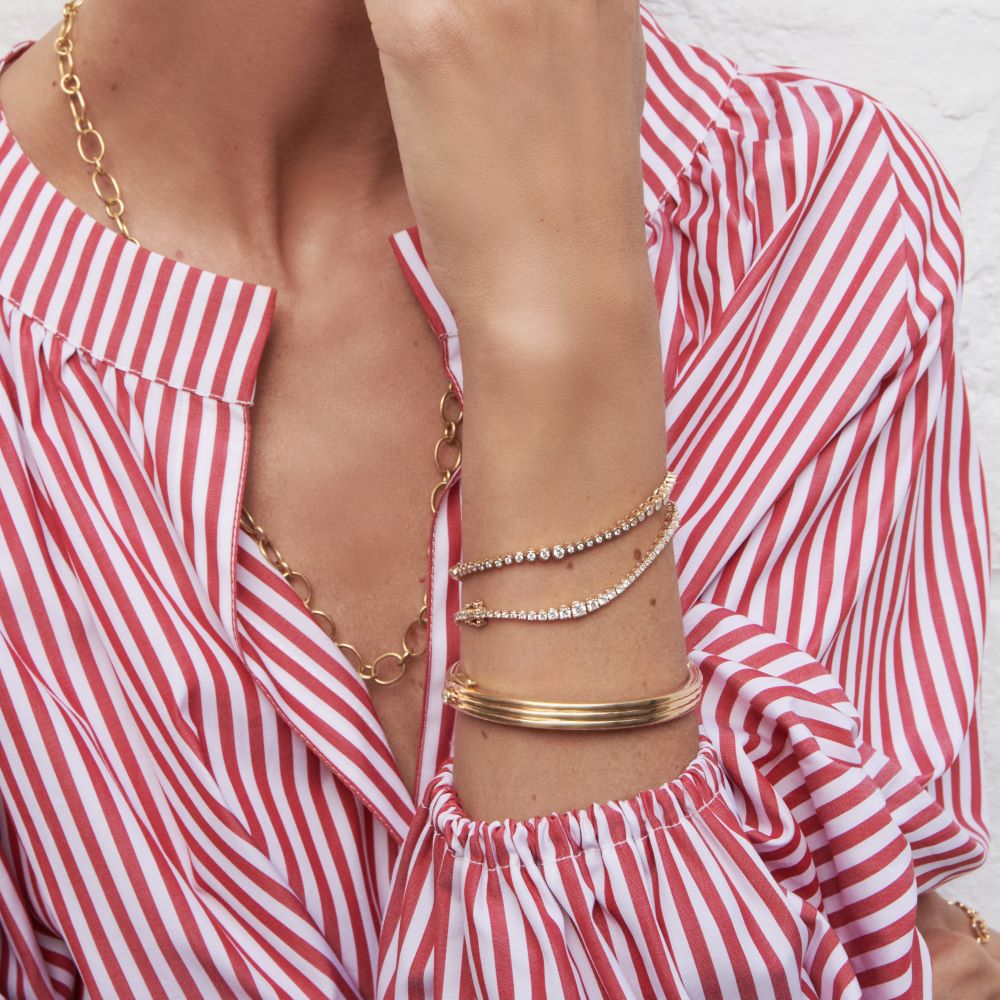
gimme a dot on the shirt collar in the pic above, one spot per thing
(121, 303)
(187, 327)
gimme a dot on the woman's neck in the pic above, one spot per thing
(268, 79)
(257, 117)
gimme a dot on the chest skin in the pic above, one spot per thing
(340, 470)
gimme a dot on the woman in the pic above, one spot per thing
(215, 782)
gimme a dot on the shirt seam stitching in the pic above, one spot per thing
(586, 851)
(672, 185)
(94, 356)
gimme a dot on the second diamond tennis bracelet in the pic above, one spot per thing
(652, 503)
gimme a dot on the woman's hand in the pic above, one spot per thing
(960, 966)
(518, 130)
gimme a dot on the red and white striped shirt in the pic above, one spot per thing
(196, 796)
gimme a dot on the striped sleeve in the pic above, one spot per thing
(833, 561)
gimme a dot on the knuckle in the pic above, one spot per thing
(422, 31)
(517, 16)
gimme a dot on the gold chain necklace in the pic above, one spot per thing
(386, 668)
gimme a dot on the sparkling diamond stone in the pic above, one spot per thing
(618, 531)
(559, 552)
(579, 609)
(522, 615)
(498, 563)
(593, 604)
(590, 543)
(658, 505)
(532, 616)
(553, 614)
(642, 515)
(602, 600)
(599, 539)
(544, 554)
(531, 557)
(625, 526)
(618, 588)
(607, 535)
(571, 549)
(508, 560)
(631, 578)
(518, 557)
(633, 523)
(565, 611)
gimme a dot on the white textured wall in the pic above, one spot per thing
(934, 63)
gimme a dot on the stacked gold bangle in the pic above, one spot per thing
(465, 695)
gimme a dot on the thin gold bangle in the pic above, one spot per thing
(464, 695)
(559, 550)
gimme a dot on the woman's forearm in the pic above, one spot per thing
(519, 130)
(563, 434)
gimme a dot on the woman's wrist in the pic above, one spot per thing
(600, 315)
(557, 442)
(563, 398)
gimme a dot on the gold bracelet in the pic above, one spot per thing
(980, 928)
(477, 614)
(652, 503)
(464, 694)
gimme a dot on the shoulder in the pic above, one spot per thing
(704, 107)
(780, 157)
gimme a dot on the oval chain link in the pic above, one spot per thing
(447, 451)
(89, 142)
(387, 668)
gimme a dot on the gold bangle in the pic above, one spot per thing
(477, 614)
(652, 503)
(980, 928)
(464, 694)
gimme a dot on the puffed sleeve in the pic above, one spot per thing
(833, 560)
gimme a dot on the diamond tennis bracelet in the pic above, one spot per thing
(652, 503)
(477, 614)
